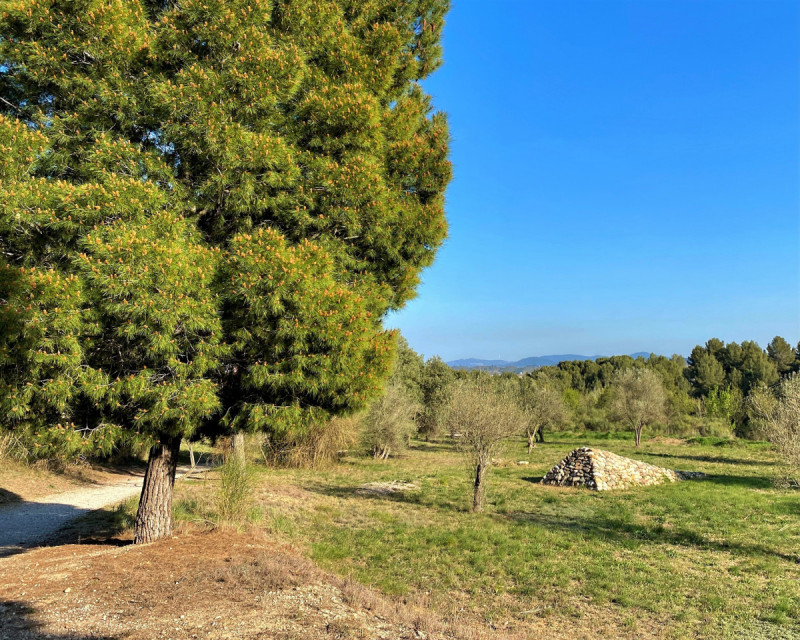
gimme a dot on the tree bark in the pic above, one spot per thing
(154, 517)
(531, 438)
(637, 435)
(237, 447)
(477, 494)
(540, 434)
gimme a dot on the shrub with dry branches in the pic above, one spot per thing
(779, 415)
(544, 407)
(314, 448)
(484, 415)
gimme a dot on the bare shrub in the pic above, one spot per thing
(638, 399)
(779, 418)
(389, 423)
(545, 409)
(484, 415)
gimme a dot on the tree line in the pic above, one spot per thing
(707, 394)
(711, 385)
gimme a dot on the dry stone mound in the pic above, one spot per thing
(603, 470)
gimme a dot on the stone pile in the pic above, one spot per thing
(603, 470)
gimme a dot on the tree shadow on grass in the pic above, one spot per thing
(410, 497)
(407, 497)
(17, 620)
(748, 482)
(432, 446)
(714, 459)
(634, 535)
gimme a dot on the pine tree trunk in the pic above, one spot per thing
(238, 449)
(477, 495)
(154, 517)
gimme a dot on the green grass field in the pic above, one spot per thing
(715, 557)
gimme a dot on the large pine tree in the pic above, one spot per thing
(208, 207)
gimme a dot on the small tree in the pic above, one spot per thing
(779, 415)
(484, 416)
(389, 423)
(545, 408)
(435, 386)
(638, 400)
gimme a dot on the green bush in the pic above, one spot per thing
(389, 423)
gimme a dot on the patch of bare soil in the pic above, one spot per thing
(386, 488)
(667, 440)
(195, 585)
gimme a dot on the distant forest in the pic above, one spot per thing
(707, 394)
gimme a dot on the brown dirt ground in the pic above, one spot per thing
(194, 585)
(225, 585)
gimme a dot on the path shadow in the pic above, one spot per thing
(635, 535)
(18, 530)
(80, 526)
(8, 497)
(17, 620)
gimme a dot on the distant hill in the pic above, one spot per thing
(532, 362)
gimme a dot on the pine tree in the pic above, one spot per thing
(208, 208)
(781, 354)
(704, 371)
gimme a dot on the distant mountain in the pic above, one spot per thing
(533, 362)
(477, 363)
(544, 361)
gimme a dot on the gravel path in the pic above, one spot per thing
(24, 524)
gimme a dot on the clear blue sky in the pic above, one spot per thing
(626, 178)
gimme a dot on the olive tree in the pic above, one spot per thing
(484, 415)
(544, 407)
(389, 422)
(638, 399)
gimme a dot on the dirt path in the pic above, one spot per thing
(24, 524)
